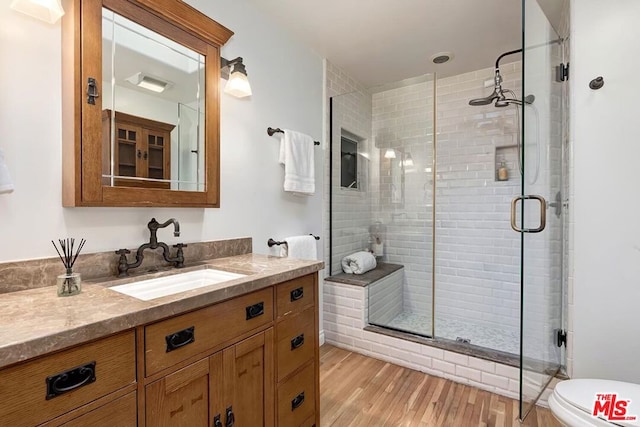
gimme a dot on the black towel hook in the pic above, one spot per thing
(596, 83)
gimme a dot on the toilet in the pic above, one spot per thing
(573, 402)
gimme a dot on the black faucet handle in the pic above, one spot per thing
(123, 266)
(179, 255)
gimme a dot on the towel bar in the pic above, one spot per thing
(271, 131)
(272, 242)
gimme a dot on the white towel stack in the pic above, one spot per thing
(302, 247)
(296, 154)
(6, 185)
(359, 263)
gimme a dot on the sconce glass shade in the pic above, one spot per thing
(238, 85)
(408, 160)
(390, 153)
(46, 10)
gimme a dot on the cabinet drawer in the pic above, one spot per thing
(297, 398)
(39, 390)
(122, 412)
(170, 341)
(296, 337)
(295, 295)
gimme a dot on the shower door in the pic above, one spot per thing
(538, 212)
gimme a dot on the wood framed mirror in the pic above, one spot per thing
(140, 104)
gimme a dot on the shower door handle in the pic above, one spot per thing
(543, 214)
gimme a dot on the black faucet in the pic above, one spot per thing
(153, 225)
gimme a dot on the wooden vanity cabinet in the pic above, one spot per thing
(249, 361)
(233, 384)
(73, 384)
(254, 359)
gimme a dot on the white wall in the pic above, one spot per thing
(606, 290)
(287, 82)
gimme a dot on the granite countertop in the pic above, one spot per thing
(36, 321)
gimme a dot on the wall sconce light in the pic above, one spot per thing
(237, 83)
(46, 10)
(390, 153)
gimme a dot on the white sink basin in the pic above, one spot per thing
(168, 285)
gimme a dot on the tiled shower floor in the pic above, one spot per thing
(494, 338)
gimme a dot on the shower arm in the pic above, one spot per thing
(511, 52)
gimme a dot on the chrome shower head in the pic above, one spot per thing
(484, 101)
(496, 95)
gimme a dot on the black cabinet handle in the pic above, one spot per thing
(216, 421)
(297, 341)
(296, 294)
(255, 310)
(180, 338)
(297, 401)
(70, 380)
(231, 419)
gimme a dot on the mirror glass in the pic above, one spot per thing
(153, 109)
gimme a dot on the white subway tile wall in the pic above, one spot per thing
(477, 253)
(385, 297)
(351, 208)
(403, 121)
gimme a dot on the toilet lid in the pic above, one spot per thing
(582, 394)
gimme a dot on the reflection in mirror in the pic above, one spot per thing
(153, 109)
(392, 174)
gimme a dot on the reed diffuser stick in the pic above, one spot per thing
(68, 258)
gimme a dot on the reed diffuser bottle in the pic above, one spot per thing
(69, 283)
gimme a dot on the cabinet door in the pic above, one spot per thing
(127, 152)
(181, 398)
(242, 382)
(158, 155)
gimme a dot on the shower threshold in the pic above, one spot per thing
(467, 349)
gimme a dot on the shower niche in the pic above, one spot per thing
(506, 156)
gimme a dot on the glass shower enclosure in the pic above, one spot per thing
(465, 201)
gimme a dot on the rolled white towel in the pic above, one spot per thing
(358, 263)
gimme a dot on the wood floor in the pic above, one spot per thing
(356, 390)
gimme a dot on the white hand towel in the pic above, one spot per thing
(358, 263)
(6, 185)
(296, 154)
(302, 247)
